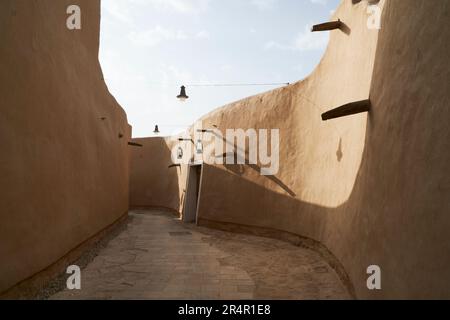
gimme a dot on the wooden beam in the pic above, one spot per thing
(347, 110)
(327, 26)
(134, 144)
(185, 139)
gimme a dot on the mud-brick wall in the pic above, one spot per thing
(152, 183)
(64, 163)
(374, 189)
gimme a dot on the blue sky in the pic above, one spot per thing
(149, 48)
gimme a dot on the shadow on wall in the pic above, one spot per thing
(397, 214)
(152, 183)
(240, 170)
(251, 205)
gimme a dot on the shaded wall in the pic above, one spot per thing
(401, 198)
(64, 169)
(373, 188)
(152, 182)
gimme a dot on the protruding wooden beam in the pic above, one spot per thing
(327, 26)
(134, 144)
(347, 110)
(185, 139)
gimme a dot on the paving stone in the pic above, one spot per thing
(158, 257)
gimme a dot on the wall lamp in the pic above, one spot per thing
(199, 146)
(180, 153)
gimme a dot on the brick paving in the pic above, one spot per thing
(158, 257)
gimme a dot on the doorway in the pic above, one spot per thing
(192, 198)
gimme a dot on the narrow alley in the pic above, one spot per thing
(158, 257)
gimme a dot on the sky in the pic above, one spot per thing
(149, 48)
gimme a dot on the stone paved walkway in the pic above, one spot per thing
(158, 257)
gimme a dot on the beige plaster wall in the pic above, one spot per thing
(319, 161)
(152, 182)
(373, 188)
(63, 170)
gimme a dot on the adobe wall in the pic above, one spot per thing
(152, 182)
(373, 188)
(319, 161)
(401, 198)
(64, 162)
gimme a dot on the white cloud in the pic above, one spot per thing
(263, 4)
(307, 40)
(173, 74)
(155, 36)
(118, 10)
(121, 9)
(202, 34)
(304, 41)
(322, 2)
(226, 68)
(275, 45)
(180, 6)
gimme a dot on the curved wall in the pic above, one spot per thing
(63, 166)
(373, 188)
(319, 161)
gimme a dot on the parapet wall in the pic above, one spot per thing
(373, 188)
(64, 156)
